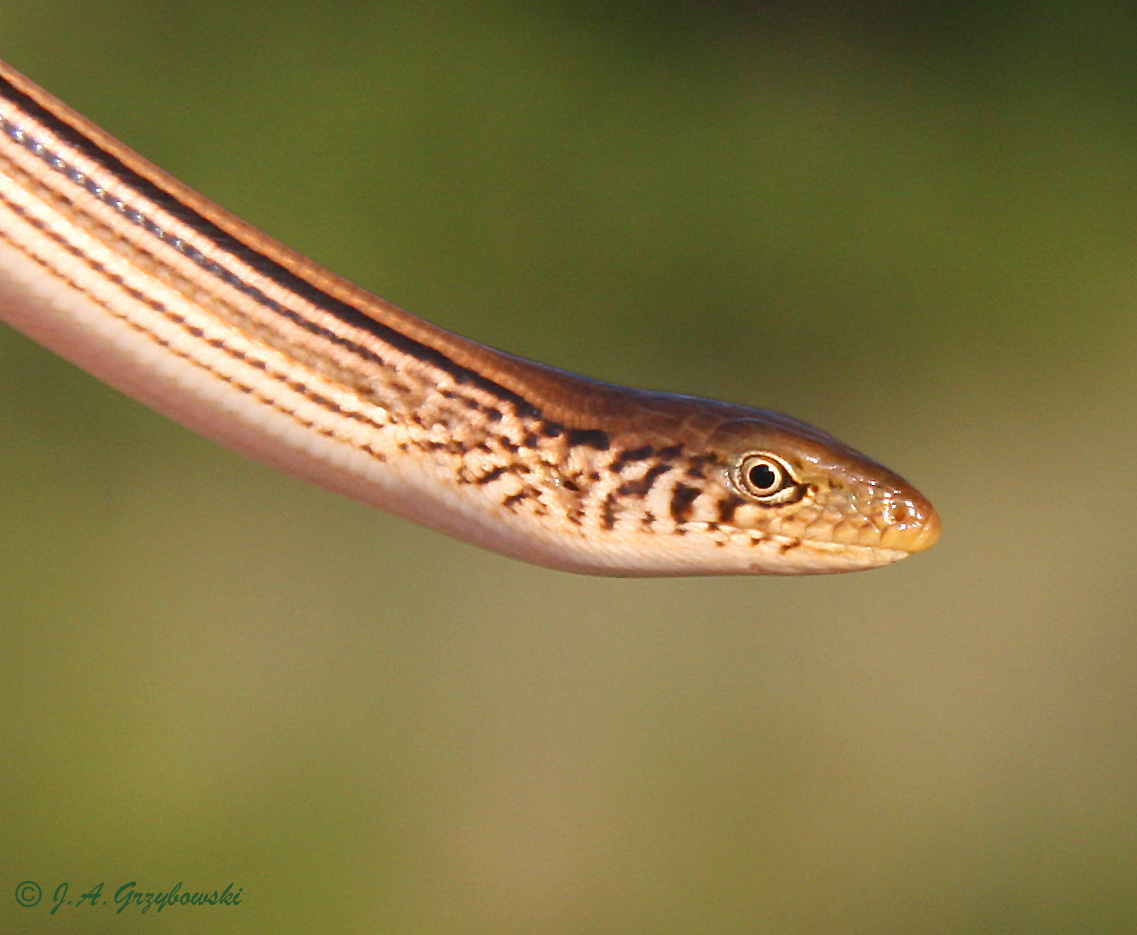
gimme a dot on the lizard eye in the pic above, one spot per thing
(765, 478)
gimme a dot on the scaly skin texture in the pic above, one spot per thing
(153, 288)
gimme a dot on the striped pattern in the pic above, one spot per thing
(121, 268)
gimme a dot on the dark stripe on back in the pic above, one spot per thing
(227, 242)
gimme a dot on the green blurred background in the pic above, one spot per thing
(912, 224)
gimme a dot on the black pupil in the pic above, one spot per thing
(762, 476)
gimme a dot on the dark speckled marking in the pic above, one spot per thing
(608, 514)
(590, 438)
(698, 466)
(490, 475)
(789, 546)
(681, 500)
(727, 506)
(640, 487)
(628, 456)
